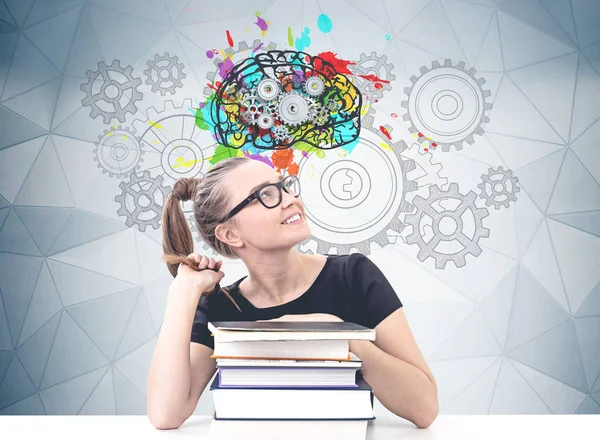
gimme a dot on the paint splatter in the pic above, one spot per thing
(225, 66)
(394, 115)
(222, 152)
(257, 47)
(229, 39)
(374, 79)
(304, 41)
(290, 37)
(210, 54)
(388, 37)
(385, 132)
(261, 23)
(324, 23)
(282, 158)
(341, 66)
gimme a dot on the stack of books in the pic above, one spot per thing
(275, 376)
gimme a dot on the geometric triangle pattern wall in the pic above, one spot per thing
(479, 140)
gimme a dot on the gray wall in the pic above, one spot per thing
(507, 313)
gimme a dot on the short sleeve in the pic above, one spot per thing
(376, 299)
(200, 332)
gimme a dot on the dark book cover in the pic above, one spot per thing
(289, 326)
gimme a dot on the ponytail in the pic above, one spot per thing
(177, 239)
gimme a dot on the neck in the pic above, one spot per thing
(277, 277)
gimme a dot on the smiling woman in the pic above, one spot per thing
(260, 220)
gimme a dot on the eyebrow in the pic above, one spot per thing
(265, 183)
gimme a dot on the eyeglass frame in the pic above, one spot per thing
(255, 196)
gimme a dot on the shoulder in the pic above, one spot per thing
(352, 265)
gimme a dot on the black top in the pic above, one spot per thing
(351, 287)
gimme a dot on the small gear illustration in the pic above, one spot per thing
(118, 152)
(111, 91)
(253, 106)
(499, 187)
(164, 74)
(281, 133)
(440, 226)
(244, 50)
(367, 67)
(314, 86)
(142, 200)
(446, 104)
(175, 147)
(367, 189)
(268, 89)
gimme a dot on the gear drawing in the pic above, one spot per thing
(164, 74)
(499, 184)
(111, 91)
(295, 109)
(372, 65)
(231, 54)
(142, 200)
(367, 189)
(446, 104)
(440, 229)
(182, 147)
(118, 152)
(253, 106)
(280, 133)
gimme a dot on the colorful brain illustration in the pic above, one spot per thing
(280, 98)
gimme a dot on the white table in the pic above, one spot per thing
(484, 427)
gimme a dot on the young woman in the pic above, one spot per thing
(244, 209)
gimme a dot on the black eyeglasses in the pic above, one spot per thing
(270, 194)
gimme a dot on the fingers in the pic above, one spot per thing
(205, 262)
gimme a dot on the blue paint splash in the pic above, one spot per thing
(324, 23)
(304, 41)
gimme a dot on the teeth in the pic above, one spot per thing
(291, 219)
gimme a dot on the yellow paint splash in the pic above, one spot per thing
(154, 124)
(385, 146)
(182, 163)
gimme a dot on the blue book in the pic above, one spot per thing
(292, 403)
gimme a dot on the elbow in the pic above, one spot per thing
(164, 418)
(428, 413)
(164, 421)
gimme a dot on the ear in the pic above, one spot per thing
(228, 235)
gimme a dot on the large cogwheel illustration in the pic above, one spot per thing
(446, 104)
(118, 152)
(358, 199)
(164, 74)
(447, 226)
(176, 147)
(142, 200)
(499, 187)
(232, 56)
(111, 91)
(372, 75)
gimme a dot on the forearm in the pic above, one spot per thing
(401, 387)
(169, 378)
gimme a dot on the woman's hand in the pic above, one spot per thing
(201, 280)
(314, 317)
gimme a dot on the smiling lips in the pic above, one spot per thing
(293, 219)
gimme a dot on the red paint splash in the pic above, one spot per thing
(374, 78)
(229, 39)
(378, 86)
(394, 115)
(341, 66)
(433, 144)
(385, 132)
